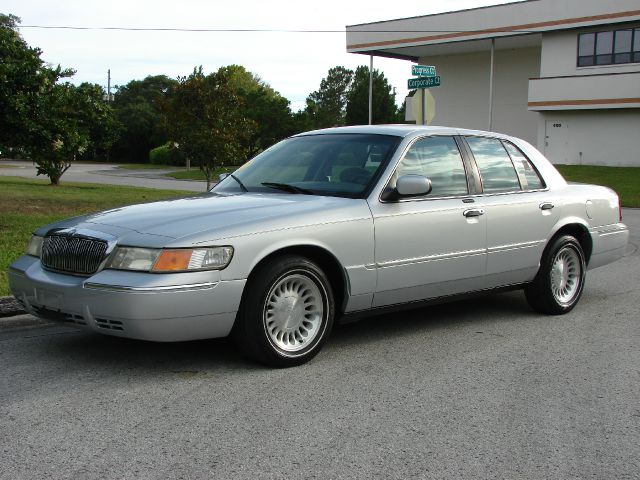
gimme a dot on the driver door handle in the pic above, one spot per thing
(473, 212)
(546, 206)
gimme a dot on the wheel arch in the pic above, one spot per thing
(577, 229)
(325, 259)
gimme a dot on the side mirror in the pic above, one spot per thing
(222, 176)
(413, 185)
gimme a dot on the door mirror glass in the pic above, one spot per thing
(413, 185)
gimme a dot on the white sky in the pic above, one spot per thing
(292, 63)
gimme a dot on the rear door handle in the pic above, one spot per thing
(473, 212)
(546, 206)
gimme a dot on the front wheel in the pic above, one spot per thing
(286, 313)
(560, 280)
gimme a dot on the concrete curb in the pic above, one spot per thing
(10, 307)
(19, 322)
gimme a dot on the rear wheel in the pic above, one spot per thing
(287, 312)
(560, 280)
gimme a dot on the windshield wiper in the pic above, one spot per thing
(288, 188)
(244, 189)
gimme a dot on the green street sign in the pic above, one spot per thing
(425, 82)
(423, 71)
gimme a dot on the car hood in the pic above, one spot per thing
(213, 216)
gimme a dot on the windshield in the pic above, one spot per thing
(345, 165)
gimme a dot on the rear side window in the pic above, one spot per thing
(496, 169)
(529, 178)
(438, 159)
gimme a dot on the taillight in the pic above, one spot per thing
(619, 211)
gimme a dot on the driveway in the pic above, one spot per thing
(470, 390)
(105, 173)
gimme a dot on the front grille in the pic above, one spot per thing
(72, 254)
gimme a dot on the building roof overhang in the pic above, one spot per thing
(513, 25)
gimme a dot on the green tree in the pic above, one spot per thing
(138, 109)
(326, 107)
(24, 80)
(384, 105)
(98, 118)
(267, 108)
(70, 121)
(205, 117)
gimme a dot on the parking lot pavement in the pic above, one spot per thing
(108, 174)
(475, 389)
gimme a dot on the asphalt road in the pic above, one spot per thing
(104, 173)
(475, 389)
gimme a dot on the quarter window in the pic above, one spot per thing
(528, 176)
(496, 169)
(609, 47)
(438, 159)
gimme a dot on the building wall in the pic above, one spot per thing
(560, 55)
(591, 137)
(463, 98)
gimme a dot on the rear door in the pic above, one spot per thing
(519, 210)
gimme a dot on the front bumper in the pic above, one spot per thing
(157, 307)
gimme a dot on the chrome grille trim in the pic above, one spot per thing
(73, 254)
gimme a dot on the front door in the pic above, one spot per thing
(433, 245)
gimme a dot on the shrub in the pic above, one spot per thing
(166, 155)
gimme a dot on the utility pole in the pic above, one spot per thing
(491, 68)
(370, 89)
(108, 85)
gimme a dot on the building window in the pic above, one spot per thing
(609, 48)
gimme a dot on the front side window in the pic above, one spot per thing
(609, 47)
(438, 159)
(343, 165)
(496, 169)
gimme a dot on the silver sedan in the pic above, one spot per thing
(327, 225)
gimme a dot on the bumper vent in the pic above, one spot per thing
(109, 324)
(72, 254)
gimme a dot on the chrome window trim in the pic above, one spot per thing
(474, 195)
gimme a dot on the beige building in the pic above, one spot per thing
(562, 74)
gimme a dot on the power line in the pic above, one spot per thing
(262, 30)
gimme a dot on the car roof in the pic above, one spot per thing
(402, 130)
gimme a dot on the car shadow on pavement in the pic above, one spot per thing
(498, 308)
(94, 351)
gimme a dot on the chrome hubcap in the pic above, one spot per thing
(566, 275)
(294, 312)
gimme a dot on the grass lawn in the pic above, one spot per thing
(624, 180)
(28, 204)
(147, 166)
(196, 173)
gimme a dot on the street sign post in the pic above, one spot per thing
(427, 78)
(423, 71)
(424, 82)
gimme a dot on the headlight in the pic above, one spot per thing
(35, 246)
(171, 260)
(131, 258)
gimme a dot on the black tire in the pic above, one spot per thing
(560, 280)
(286, 314)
